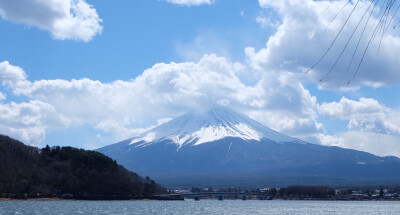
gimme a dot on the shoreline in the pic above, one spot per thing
(69, 199)
(205, 199)
(34, 199)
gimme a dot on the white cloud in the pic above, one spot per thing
(190, 2)
(296, 46)
(289, 124)
(121, 129)
(264, 22)
(65, 19)
(2, 96)
(119, 108)
(28, 121)
(376, 143)
(166, 90)
(347, 108)
(13, 76)
(366, 114)
(281, 102)
(301, 40)
(261, 20)
(122, 106)
(206, 42)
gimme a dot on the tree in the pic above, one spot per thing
(66, 170)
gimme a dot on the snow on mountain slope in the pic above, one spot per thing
(219, 147)
(195, 128)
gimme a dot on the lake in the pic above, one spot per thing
(200, 207)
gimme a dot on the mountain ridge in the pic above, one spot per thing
(267, 158)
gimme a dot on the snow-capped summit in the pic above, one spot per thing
(222, 148)
(198, 127)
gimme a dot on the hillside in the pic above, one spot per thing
(67, 172)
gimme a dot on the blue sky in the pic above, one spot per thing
(91, 73)
(135, 36)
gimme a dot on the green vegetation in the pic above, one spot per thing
(29, 172)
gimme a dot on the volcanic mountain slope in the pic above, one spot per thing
(220, 147)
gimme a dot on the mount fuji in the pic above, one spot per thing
(220, 147)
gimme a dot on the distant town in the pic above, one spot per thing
(292, 193)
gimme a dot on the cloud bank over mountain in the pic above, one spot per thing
(168, 90)
(278, 100)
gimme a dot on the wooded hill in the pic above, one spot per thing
(66, 172)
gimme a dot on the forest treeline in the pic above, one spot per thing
(66, 172)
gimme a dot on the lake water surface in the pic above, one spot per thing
(199, 207)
